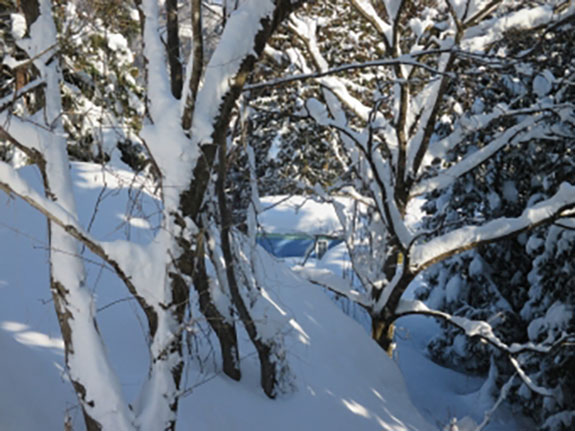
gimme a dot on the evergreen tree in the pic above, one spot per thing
(521, 285)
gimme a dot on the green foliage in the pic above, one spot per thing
(102, 97)
(522, 286)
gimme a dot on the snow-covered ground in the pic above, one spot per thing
(442, 396)
(343, 381)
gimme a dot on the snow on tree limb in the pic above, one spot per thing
(426, 254)
(306, 29)
(546, 392)
(483, 330)
(161, 100)
(244, 37)
(224, 70)
(449, 176)
(388, 290)
(475, 123)
(481, 31)
(479, 328)
(10, 99)
(366, 9)
(171, 150)
(395, 219)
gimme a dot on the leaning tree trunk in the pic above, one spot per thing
(268, 369)
(383, 317)
(88, 368)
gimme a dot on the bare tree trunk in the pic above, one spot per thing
(268, 369)
(198, 63)
(31, 11)
(173, 49)
(382, 331)
(382, 323)
(224, 329)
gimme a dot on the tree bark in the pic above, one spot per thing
(173, 49)
(268, 369)
(382, 331)
(225, 330)
(198, 63)
(382, 323)
(192, 199)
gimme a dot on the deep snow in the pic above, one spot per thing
(343, 380)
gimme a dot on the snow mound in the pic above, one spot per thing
(343, 380)
(298, 215)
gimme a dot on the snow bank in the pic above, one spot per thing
(298, 215)
(343, 380)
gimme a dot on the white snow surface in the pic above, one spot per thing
(340, 384)
(343, 380)
(18, 25)
(299, 215)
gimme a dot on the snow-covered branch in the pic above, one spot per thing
(366, 9)
(433, 97)
(475, 123)
(458, 240)
(481, 329)
(161, 101)
(8, 100)
(546, 392)
(526, 130)
(408, 60)
(306, 29)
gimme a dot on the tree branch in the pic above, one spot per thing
(195, 64)
(465, 238)
(12, 183)
(9, 100)
(349, 67)
(173, 48)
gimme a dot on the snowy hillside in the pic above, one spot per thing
(444, 397)
(427, 151)
(343, 381)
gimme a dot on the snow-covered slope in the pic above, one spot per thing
(32, 393)
(342, 379)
